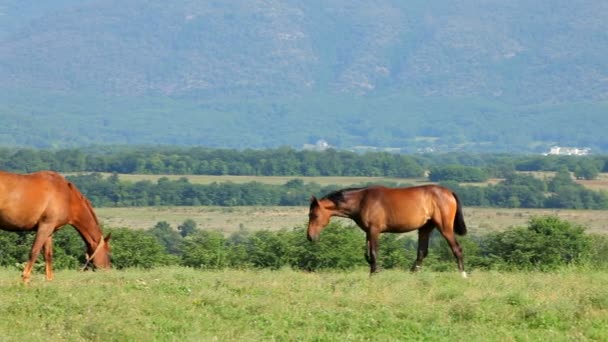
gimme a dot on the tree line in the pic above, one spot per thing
(287, 162)
(546, 244)
(516, 191)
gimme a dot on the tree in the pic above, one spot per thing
(188, 227)
(457, 173)
(166, 236)
(586, 169)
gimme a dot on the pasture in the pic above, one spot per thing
(227, 305)
(600, 183)
(231, 219)
(275, 180)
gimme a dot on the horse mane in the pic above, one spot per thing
(85, 200)
(339, 196)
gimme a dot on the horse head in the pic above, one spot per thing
(100, 256)
(318, 218)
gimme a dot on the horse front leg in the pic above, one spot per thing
(43, 234)
(48, 257)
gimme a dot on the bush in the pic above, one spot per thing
(14, 247)
(205, 249)
(339, 247)
(137, 248)
(545, 244)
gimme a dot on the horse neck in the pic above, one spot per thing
(87, 225)
(348, 206)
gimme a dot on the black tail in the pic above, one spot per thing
(459, 226)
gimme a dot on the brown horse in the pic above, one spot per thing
(44, 202)
(378, 209)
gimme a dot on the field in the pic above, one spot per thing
(600, 183)
(230, 219)
(177, 303)
(232, 305)
(276, 180)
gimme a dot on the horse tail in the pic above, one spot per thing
(459, 226)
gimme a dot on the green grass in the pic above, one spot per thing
(186, 304)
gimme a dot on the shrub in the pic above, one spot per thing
(137, 248)
(339, 247)
(205, 249)
(545, 244)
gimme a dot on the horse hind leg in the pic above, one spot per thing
(372, 252)
(424, 235)
(457, 251)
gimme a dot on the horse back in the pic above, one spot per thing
(27, 199)
(406, 209)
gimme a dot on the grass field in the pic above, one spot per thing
(232, 305)
(601, 183)
(230, 219)
(276, 180)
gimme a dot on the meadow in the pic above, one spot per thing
(231, 219)
(600, 183)
(179, 303)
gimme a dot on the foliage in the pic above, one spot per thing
(364, 74)
(188, 227)
(205, 249)
(457, 173)
(339, 247)
(137, 248)
(516, 191)
(167, 237)
(546, 244)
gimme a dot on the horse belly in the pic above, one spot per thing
(405, 223)
(19, 216)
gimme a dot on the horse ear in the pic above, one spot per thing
(313, 199)
(107, 238)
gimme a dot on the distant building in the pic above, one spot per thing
(568, 151)
(320, 145)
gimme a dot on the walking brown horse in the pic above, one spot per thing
(378, 209)
(44, 202)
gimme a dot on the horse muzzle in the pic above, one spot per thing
(312, 237)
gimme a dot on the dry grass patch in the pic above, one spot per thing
(230, 219)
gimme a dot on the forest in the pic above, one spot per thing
(516, 189)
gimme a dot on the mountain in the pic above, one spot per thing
(481, 75)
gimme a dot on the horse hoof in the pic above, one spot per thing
(464, 274)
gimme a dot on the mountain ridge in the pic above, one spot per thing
(503, 76)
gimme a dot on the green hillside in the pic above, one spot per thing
(468, 75)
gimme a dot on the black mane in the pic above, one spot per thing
(338, 196)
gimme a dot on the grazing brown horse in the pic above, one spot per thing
(44, 202)
(378, 209)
